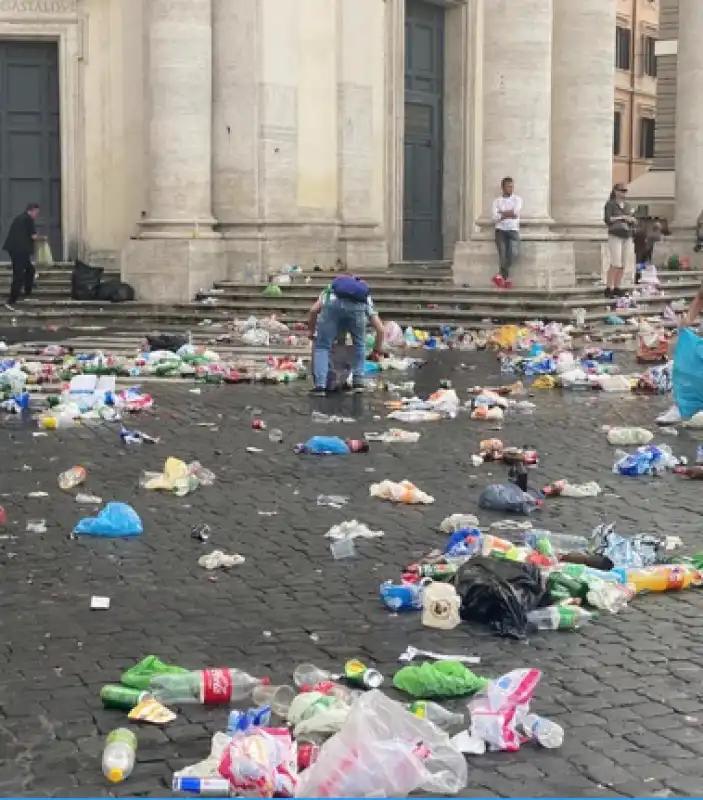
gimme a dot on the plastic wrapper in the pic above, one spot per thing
(507, 497)
(384, 751)
(688, 373)
(499, 593)
(403, 492)
(642, 550)
(447, 678)
(262, 763)
(140, 675)
(497, 711)
(116, 519)
(458, 522)
(314, 712)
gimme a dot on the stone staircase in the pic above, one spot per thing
(422, 295)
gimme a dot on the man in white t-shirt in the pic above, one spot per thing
(506, 216)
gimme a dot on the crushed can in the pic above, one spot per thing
(200, 532)
(258, 425)
(357, 672)
(307, 755)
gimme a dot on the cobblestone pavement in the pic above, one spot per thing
(627, 689)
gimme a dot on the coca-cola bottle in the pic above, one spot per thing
(207, 686)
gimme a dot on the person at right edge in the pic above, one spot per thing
(19, 243)
(621, 227)
(688, 320)
(343, 307)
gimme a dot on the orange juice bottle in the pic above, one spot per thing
(661, 577)
(493, 544)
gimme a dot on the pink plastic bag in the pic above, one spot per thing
(263, 762)
(497, 710)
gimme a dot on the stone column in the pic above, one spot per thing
(360, 92)
(180, 81)
(176, 252)
(515, 131)
(583, 68)
(517, 105)
(689, 118)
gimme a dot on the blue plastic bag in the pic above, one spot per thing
(116, 519)
(688, 374)
(325, 445)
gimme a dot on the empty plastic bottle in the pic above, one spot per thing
(72, 478)
(436, 714)
(547, 733)
(306, 676)
(546, 540)
(208, 686)
(559, 618)
(119, 755)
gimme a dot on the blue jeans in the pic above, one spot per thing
(339, 317)
(508, 244)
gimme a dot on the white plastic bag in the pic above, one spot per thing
(383, 750)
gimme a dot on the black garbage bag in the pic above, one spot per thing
(172, 342)
(85, 281)
(115, 291)
(499, 593)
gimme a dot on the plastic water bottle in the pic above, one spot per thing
(436, 714)
(308, 675)
(209, 687)
(563, 542)
(72, 478)
(559, 618)
(119, 755)
(544, 731)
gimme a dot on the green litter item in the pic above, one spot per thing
(273, 290)
(697, 561)
(443, 679)
(674, 262)
(140, 675)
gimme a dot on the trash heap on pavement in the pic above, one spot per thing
(331, 734)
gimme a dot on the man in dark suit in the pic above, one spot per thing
(20, 245)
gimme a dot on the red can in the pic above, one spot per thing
(258, 425)
(358, 445)
(307, 755)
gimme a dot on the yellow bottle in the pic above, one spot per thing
(662, 577)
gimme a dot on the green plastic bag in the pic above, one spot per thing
(139, 676)
(443, 679)
(273, 290)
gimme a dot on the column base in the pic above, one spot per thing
(544, 264)
(172, 270)
(256, 251)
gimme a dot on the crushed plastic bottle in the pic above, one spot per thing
(72, 478)
(559, 618)
(207, 687)
(436, 714)
(307, 676)
(119, 755)
(629, 436)
(547, 733)
(546, 542)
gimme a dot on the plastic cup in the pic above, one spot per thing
(276, 435)
(278, 697)
(342, 548)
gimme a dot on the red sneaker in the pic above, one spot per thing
(507, 284)
(498, 281)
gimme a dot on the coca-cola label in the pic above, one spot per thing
(217, 686)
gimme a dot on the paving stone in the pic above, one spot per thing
(623, 687)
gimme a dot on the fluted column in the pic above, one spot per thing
(689, 116)
(517, 104)
(582, 113)
(180, 129)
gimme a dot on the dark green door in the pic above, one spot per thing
(424, 88)
(30, 149)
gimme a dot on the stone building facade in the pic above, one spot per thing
(194, 140)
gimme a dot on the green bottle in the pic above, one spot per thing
(121, 697)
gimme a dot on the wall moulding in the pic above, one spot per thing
(39, 7)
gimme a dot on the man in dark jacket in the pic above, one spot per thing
(20, 245)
